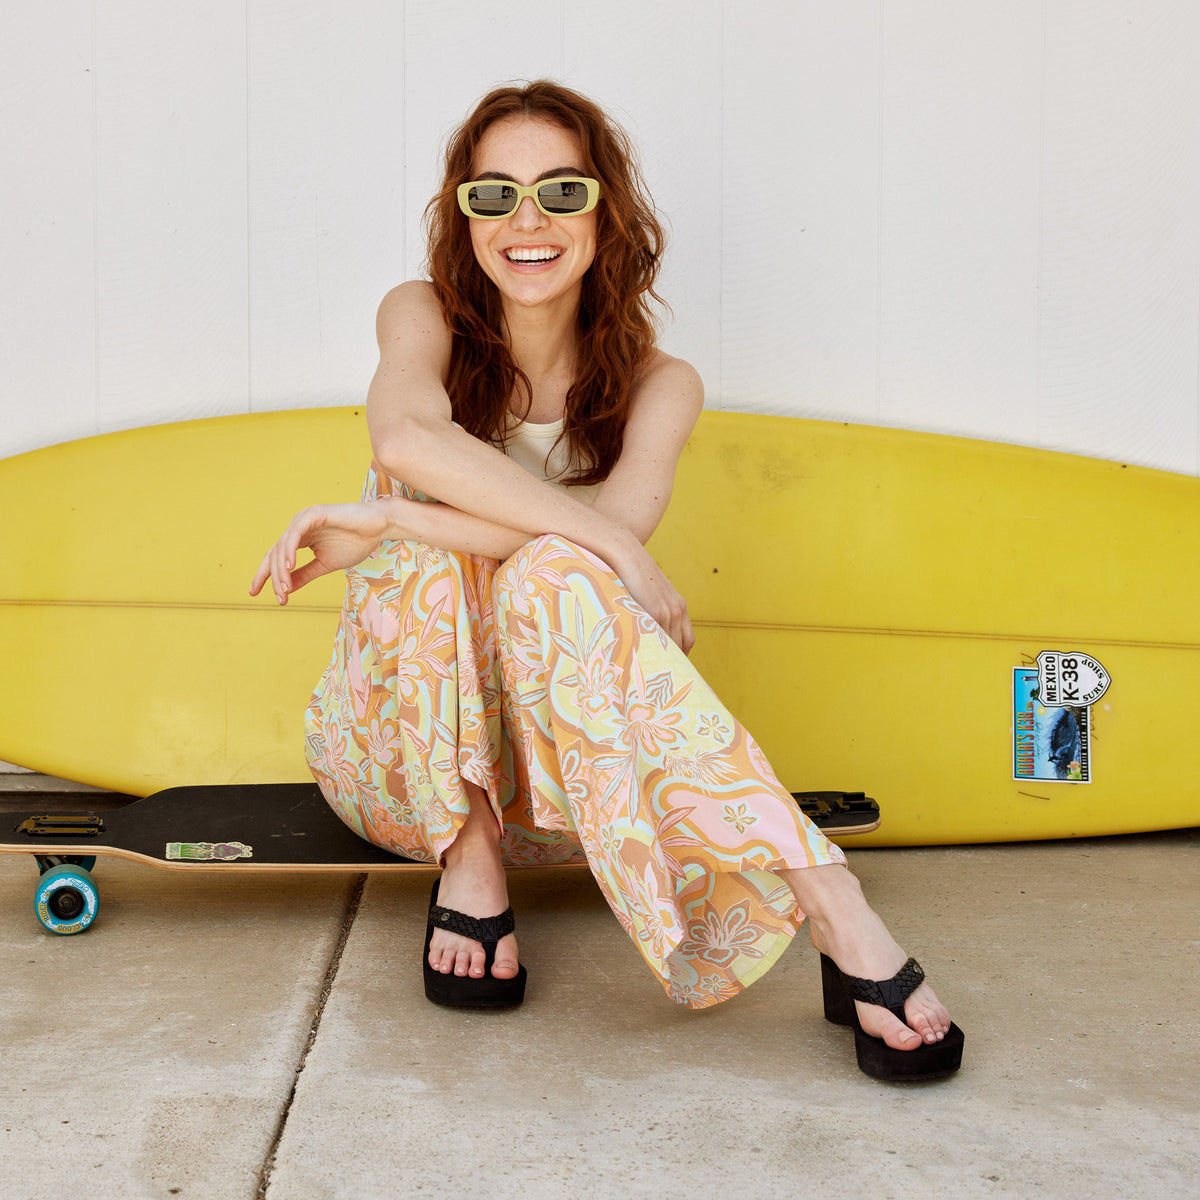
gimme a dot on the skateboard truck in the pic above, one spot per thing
(825, 809)
(88, 825)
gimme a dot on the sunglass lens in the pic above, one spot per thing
(492, 199)
(563, 196)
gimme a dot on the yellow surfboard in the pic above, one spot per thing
(872, 603)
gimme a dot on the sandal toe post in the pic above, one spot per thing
(875, 1057)
(461, 991)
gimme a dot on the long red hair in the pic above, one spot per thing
(617, 324)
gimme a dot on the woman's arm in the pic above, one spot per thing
(662, 414)
(498, 505)
(415, 440)
(342, 535)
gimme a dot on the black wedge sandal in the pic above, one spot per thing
(875, 1057)
(461, 991)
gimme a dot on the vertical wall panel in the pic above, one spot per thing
(171, 212)
(799, 248)
(455, 52)
(47, 226)
(1121, 230)
(615, 54)
(326, 194)
(976, 218)
(959, 153)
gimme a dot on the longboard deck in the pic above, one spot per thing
(279, 827)
(263, 827)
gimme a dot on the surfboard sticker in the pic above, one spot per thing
(1051, 742)
(207, 851)
(1067, 677)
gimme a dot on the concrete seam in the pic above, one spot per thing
(335, 959)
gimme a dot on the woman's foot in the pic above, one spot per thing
(473, 882)
(843, 926)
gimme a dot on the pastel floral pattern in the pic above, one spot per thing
(542, 681)
(739, 816)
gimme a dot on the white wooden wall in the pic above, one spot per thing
(979, 218)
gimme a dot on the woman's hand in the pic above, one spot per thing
(339, 535)
(646, 583)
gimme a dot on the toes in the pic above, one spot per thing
(900, 1036)
(444, 956)
(926, 1015)
(467, 959)
(919, 1030)
(924, 1027)
(880, 1023)
(504, 965)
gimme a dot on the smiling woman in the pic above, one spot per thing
(616, 297)
(510, 681)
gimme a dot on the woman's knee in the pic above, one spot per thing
(546, 545)
(512, 577)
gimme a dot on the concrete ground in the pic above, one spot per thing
(268, 1036)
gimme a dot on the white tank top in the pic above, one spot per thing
(530, 445)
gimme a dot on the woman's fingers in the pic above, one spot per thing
(682, 635)
(279, 562)
(339, 535)
(306, 574)
(656, 594)
(688, 639)
(269, 568)
(261, 575)
(672, 615)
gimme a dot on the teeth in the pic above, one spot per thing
(519, 254)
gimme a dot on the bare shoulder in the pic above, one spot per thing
(670, 389)
(410, 315)
(666, 374)
(411, 297)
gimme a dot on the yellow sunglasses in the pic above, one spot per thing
(492, 199)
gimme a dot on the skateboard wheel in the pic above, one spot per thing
(66, 899)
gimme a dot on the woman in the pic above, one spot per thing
(509, 683)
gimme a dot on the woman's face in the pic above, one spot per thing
(532, 258)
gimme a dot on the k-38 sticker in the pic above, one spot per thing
(1052, 727)
(1066, 677)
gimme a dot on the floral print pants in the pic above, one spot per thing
(543, 682)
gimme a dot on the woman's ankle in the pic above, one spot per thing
(478, 838)
(827, 893)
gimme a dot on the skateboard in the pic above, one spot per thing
(250, 827)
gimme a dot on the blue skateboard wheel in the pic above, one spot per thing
(66, 900)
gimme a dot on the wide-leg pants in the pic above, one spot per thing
(543, 682)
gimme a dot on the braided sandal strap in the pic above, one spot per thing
(478, 929)
(887, 993)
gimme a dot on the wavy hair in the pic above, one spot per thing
(617, 323)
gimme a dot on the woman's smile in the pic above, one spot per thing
(533, 258)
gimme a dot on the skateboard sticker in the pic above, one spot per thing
(1050, 741)
(1066, 677)
(207, 851)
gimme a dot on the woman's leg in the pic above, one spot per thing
(473, 882)
(843, 926)
(404, 730)
(625, 747)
